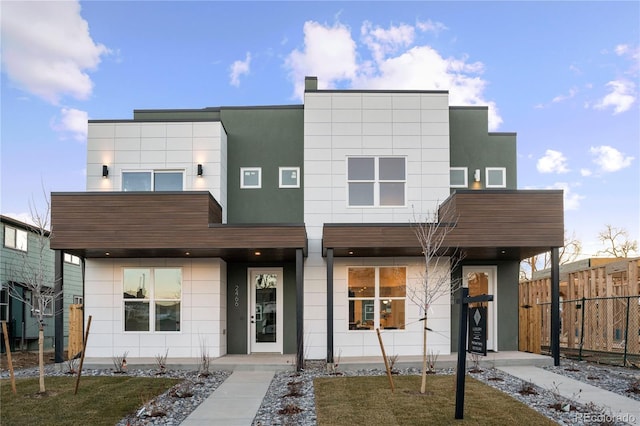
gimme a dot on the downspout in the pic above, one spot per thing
(59, 306)
(555, 306)
(329, 306)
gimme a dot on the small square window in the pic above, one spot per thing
(458, 177)
(289, 177)
(250, 177)
(496, 177)
(69, 258)
(78, 300)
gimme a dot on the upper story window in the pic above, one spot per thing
(15, 238)
(250, 177)
(289, 177)
(458, 177)
(69, 258)
(157, 180)
(376, 181)
(496, 177)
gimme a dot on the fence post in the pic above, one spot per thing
(584, 307)
(626, 332)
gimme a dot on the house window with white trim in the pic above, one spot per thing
(458, 177)
(78, 300)
(376, 181)
(15, 238)
(4, 305)
(250, 177)
(156, 180)
(152, 299)
(69, 258)
(289, 177)
(377, 297)
(496, 177)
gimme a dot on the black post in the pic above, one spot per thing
(329, 306)
(59, 306)
(462, 354)
(555, 306)
(299, 309)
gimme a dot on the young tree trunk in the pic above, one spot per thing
(423, 385)
(41, 356)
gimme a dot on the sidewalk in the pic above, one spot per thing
(625, 409)
(235, 402)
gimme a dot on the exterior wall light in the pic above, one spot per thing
(199, 170)
(476, 175)
(105, 171)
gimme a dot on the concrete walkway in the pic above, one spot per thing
(235, 402)
(620, 407)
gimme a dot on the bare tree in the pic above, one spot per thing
(34, 273)
(616, 242)
(568, 253)
(436, 280)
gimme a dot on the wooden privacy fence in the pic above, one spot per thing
(75, 330)
(599, 309)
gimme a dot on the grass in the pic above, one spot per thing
(100, 400)
(369, 400)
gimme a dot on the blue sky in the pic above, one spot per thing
(564, 75)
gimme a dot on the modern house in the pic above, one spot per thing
(289, 229)
(19, 257)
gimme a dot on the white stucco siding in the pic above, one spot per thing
(203, 310)
(130, 146)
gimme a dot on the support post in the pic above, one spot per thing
(462, 354)
(299, 309)
(555, 306)
(329, 306)
(59, 306)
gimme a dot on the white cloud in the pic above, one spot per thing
(72, 122)
(621, 96)
(552, 162)
(571, 199)
(430, 26)
(610, 159)
(239, 68)
(585, 172)
(560, 98)
(331, 54)
(47, 49)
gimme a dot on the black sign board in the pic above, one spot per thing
(478, 330)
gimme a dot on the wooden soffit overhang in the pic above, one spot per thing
(489, 225)
(164, 224)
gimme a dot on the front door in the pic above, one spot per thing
(265, 310)
(482, 280)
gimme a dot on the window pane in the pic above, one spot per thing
(168, 283)
(495, 177)
(361, 314)
(136, 316)
(9, 237)
(392, 194)
(136, 283)
(392, 169)
(251, 178)
(361, 168)
(457, 177)
(21, 239)
(289, 177)
(392, 314)
(393, 282)
(136, 181)
(362, 282)
(167, 316)
(167, 181)
(361, 194)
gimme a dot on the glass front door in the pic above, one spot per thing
(265, 312)
(482, 280)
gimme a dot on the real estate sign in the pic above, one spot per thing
(478, 330)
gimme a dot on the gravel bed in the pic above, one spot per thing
(276, 408)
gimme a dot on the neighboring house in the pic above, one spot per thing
(20, 252)
(288, 229)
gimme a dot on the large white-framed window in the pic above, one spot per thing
(377, 297)
(15, 238)
(376, 181)
(289, 177)
(46, 303)
(458, 177)
(153, 180)
(250, 177)
(69, 258)
(152, 299)
(496, 177)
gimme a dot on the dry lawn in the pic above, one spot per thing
(369, 400)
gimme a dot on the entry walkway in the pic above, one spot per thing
(235, 402)
(618, 406)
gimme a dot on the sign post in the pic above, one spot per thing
(477, 337)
